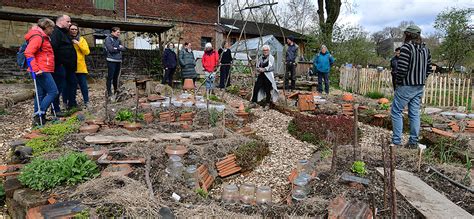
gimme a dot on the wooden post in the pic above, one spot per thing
(448, 92)
(467, 94)
(334, 159)
(386, 173)
(357, 91)
(472, 97)
(440, 97)
(357, 149)
(393, 206)
(435, 89)
(431, 90)
(445, 91)
(462, 92)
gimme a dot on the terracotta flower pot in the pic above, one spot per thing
(179, 150)
(89, 128)
(117, 170)
(188, 84)
(347, 97)
(132, 126)
(148, 117)
(383, 101)
(95, 122)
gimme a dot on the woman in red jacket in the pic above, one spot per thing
(210, 60)
(40, 57)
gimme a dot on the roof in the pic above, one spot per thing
(255, 44)
(252, 29)
(88, 22)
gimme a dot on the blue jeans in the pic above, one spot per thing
(411, 96)
(46, 91)
(325, 76)
(60, 81)
(82, 81)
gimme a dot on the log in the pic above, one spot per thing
(13, 99)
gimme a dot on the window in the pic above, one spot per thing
(205, 40)
(104, 4)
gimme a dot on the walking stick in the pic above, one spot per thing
(33, 75)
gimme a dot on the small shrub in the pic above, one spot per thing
(55, 133)
(202, 193)
(84, 214)
(325, 153)
(384, 106)
(70, 169)
(292, 129)
(249, 155)
(374, 95)
(233, 89)
(124, 115)
(425, 118)
(359, 168)
(2, 192)
(213, 97)
(309, 137)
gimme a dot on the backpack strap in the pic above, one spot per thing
(42, 40)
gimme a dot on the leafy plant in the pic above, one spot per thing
(359, 168)
(384, 106)
(240, 68)
(3, 112)
(213, 117)
(248, 109)
(84, 214)
(309, 137)
(55, 133)
(374, 95)
(233, 89)
(2, 192)
(70, 169)
(124, 115)
(250, 154)
(202, 193)
(292, 127)
(468, 165)
(425, 118)
(213, 97)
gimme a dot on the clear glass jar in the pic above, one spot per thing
(300, 191)
(264, 195)
(247, 194)
(302, 166)
(191, 177)
(230, 194)
(171, 160)
(176, 170)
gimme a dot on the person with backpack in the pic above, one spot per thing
(169, 61)
(413, 68)
(114, 49)
(322, 65)
(40, 57)
(82, 50)
(66, 64)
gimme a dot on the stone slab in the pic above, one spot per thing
(102, 139)
(11, 185)
(29, 198)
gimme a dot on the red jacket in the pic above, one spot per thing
(210, 60)
(43, 58)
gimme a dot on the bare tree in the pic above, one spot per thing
(300, 15)
(330, 8)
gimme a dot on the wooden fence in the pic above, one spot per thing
(442, 90)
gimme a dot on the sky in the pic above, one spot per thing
(374, 15)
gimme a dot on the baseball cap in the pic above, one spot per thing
(413, 29)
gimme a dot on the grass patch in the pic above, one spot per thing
(55, 133)
(213, 117)
(374, 95)
(425, 118)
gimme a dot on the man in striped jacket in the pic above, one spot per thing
(413, 68)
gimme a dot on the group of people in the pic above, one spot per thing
(211, 60)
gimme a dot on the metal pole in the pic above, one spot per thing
(33, 75)
(393, 205)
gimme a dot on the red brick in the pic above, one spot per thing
(443, 133)
(336, 207)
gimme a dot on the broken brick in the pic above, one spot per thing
(443, 133)
(10, 186)
(148, 117)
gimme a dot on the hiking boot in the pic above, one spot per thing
(266, 108)
(253, 105)
(411, 145)
(60, 114)
(38, 121)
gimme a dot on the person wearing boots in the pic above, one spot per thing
(265, 86)
(66, 64)
(114, 49)
(169, 61)
(40, 57)
(82, 50)
(291, 55)
(322, 65)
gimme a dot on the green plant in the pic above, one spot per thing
(201, 193)
(325, 153)
(374, 95)
(425, 118)
(248, 109)
(468, 165)
(140, 117)
(69, 169)
(240, 68)
(124, 115)
(309, 137)
(84, 214)
(250, 154)
(55, 133)
(292, 129)
(213, 117)
(3, 112)
(2, 192)
(233, 89)
(384, 106)
(213, 97)
(359, 168)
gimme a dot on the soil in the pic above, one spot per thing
(130, 196)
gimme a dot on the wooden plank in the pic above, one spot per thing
(436, 88)
(467, 93)
(448, 92)
(425, 199)
(102, 139)
(459, 93)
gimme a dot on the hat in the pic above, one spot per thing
(208, 45)
(292, 38)
(413, 29)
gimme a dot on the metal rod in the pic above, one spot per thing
(255, 6)
(450, 180)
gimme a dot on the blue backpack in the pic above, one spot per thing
(20, 55)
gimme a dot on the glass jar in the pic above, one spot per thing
(230, 194)
(264, 195)
(300, 191)
(247, 194)
(171, 160)
(176, 170)
(191, 177)
(301, 166)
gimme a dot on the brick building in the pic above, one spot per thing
(191, 20)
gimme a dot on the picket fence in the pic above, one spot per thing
(441, 90)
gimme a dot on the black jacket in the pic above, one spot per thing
(394, 64)
(291, 53)
(169, 59)
(113, 49)
(64, 52)
(226, 57)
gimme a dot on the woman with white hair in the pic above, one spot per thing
(210, 60)
(265, 86)
(322, 65)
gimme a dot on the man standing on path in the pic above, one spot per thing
(65, 58)
(114, 49)
(413, 68)
(291, 55)
(393, 65)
